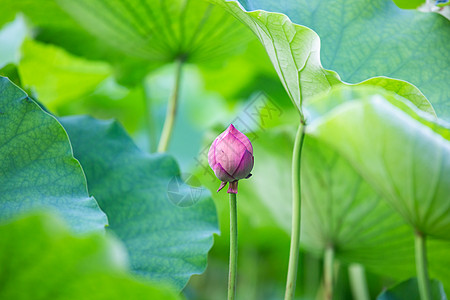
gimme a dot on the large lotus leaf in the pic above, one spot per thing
(57, 76)
(340, 209)
(295, 53)
(37, 167)
(360, 39)
(41, 259)
(167, 226)
(397, 149)
(52, 25)
(160, 30)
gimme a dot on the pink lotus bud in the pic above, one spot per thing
(231, 158)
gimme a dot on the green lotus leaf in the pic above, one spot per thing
(37, 167)
(166, 225)
(41, 259)
(400, 151)
(341, 210)
(163, 31)
(359, 40)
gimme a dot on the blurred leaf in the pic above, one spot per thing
(438, 260)
(442, 3)
(44, 12)
(360, 39)
(196, 106)
(142, 109)
(11, 37)
(408, 290)
(268, 193)
(399, 150)
(341, 210)
(244, 74)
(41, 260)
(51, 24)
(110, 100)
(57, 76)
(192, 30)
(37, 168)
(409, 4)
(143, 197)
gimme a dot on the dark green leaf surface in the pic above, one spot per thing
(408, 290)
(41, 260)
(166, 242)
(363, 39)
(37, 168)
(159, 30)
(401, 152)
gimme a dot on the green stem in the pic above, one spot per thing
(171, 110)
(328, 272)
(358, 282)
(151, 130)
(421, 266)
(296, 214)
(233, 248)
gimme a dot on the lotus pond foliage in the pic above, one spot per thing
(120, 119)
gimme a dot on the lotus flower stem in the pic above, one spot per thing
(421, 266)
(233, 248)
(358, 282)
(328, 272)
(296, 214)
(171, 110)
(151, 129)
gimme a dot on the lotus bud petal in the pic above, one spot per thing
(231, 158)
